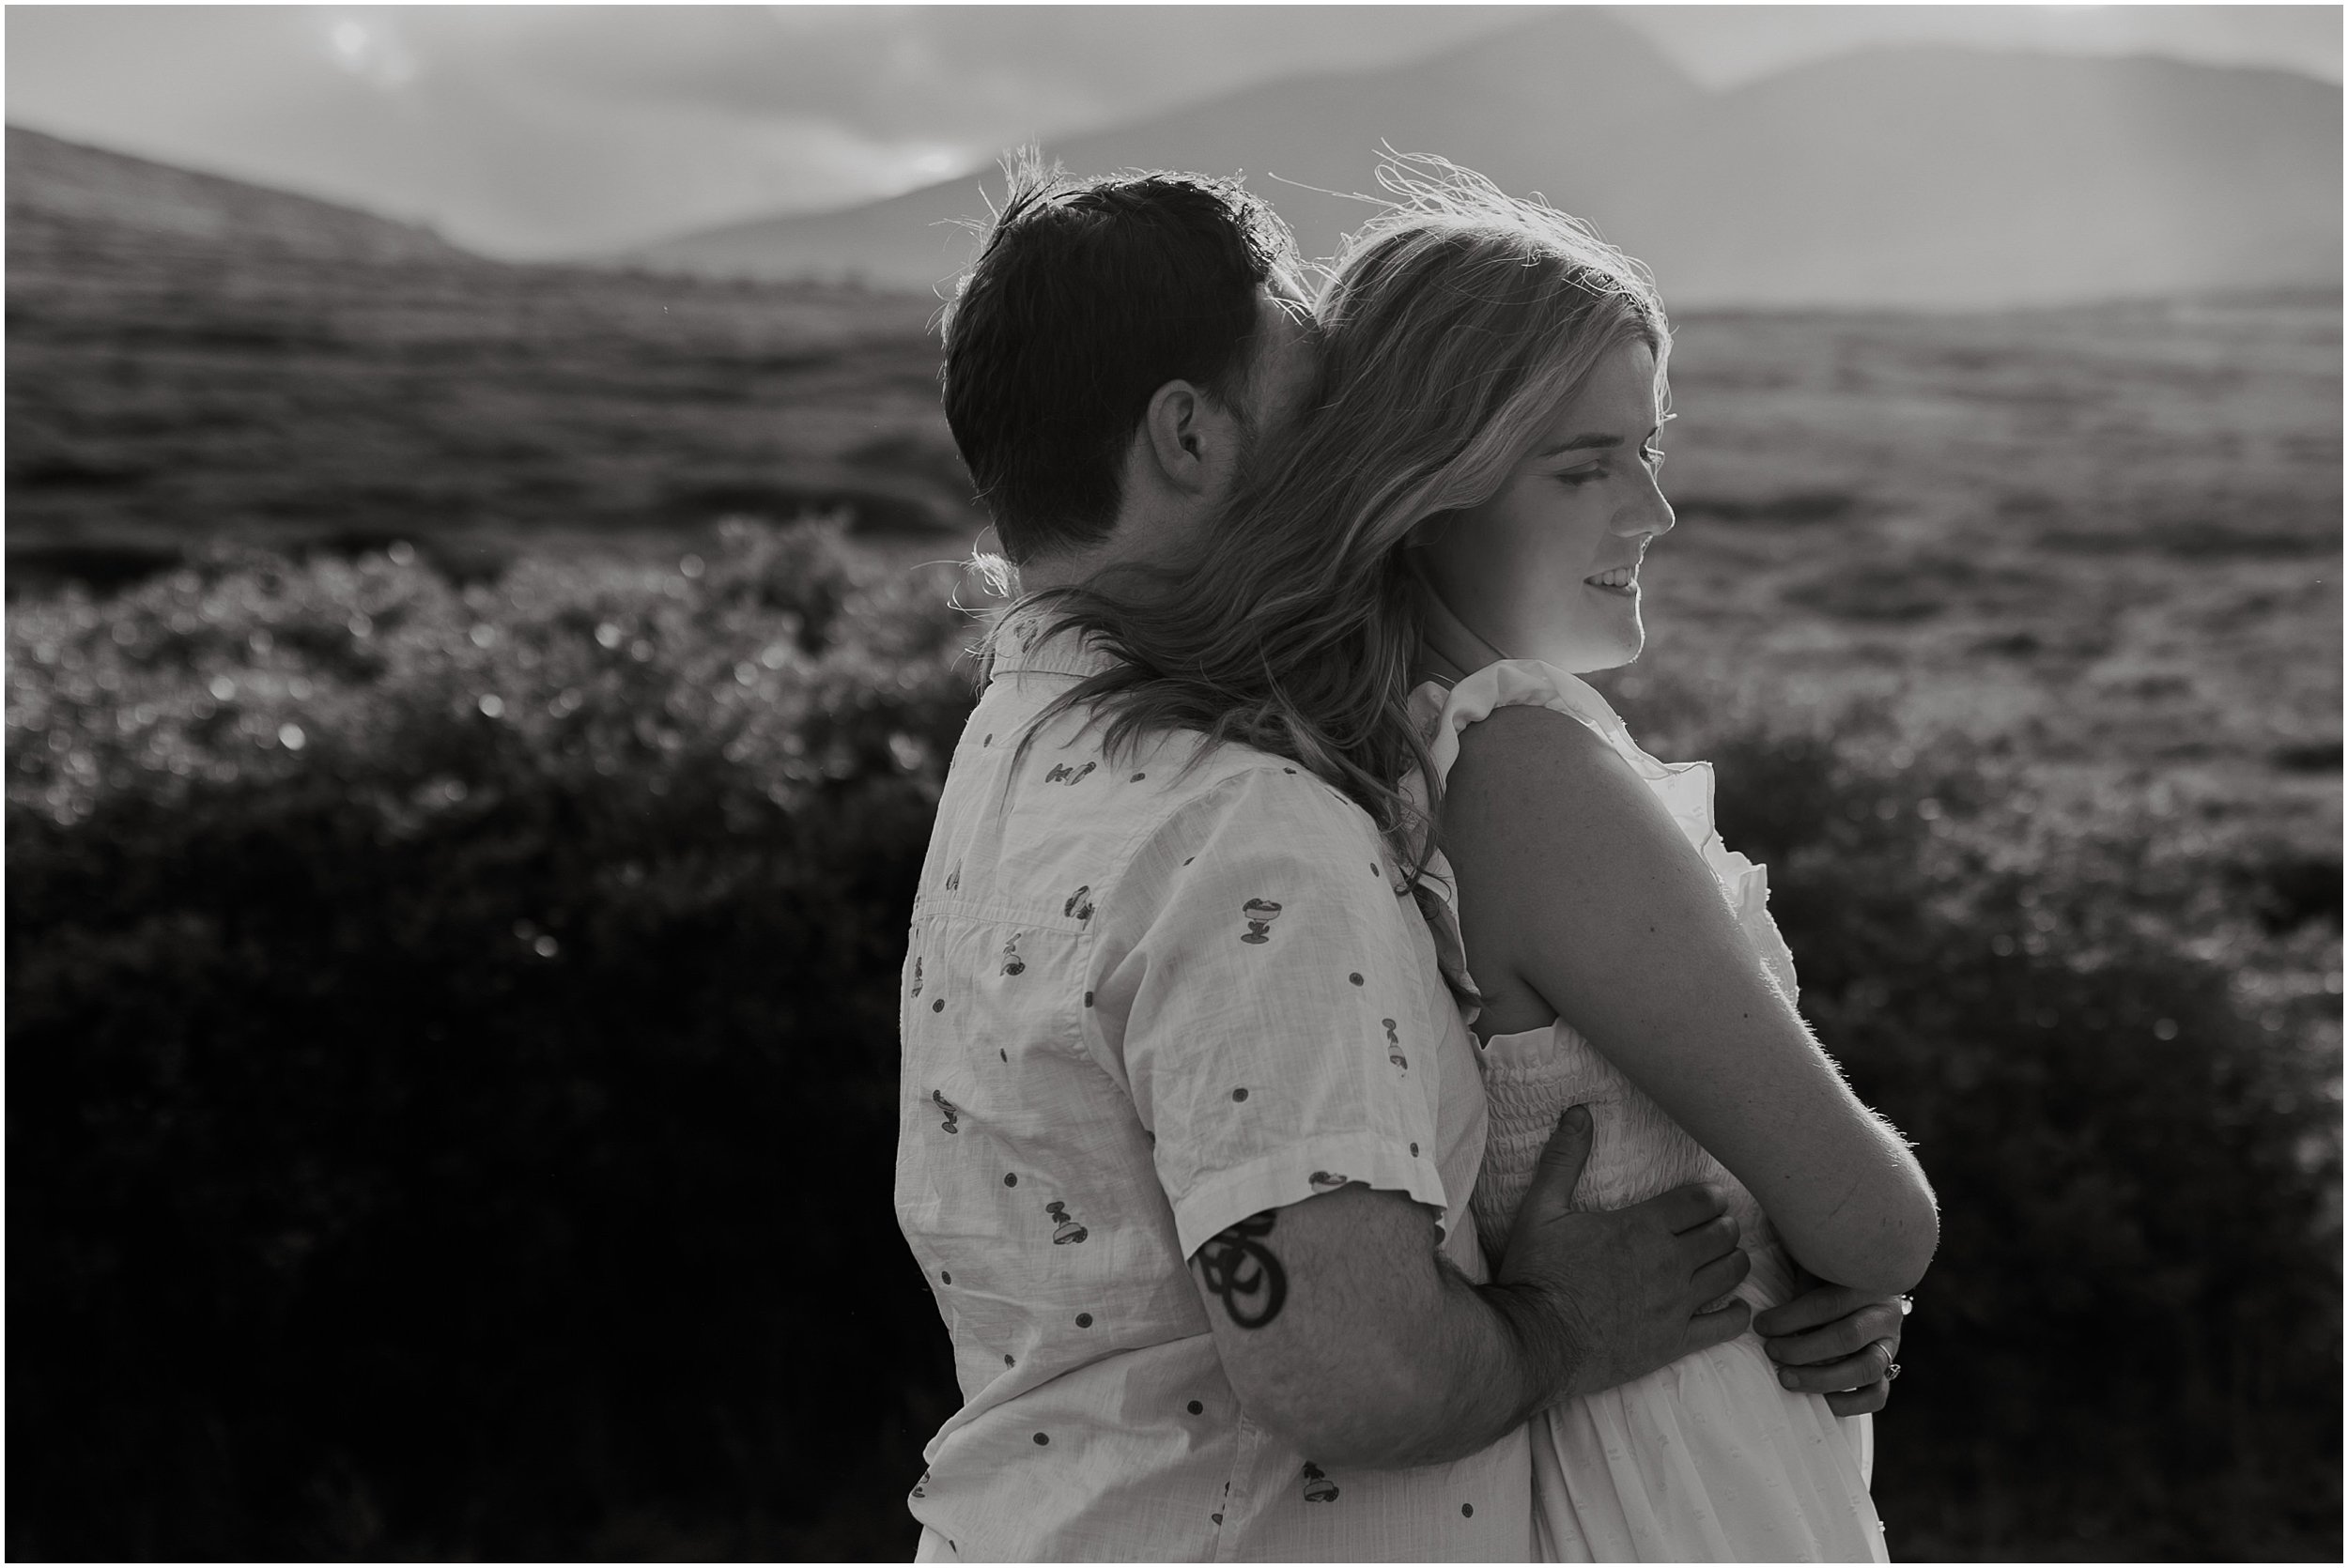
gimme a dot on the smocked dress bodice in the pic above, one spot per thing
(1636, 1150)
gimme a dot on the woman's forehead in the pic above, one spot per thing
(1623, 388)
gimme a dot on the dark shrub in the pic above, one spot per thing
(469, 1134)
(2129, 1342)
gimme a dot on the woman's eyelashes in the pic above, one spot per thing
(1651, 455)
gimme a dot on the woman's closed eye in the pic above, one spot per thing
(1650, 456)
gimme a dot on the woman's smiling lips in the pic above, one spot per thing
(1615, 579)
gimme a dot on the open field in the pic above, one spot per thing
(160, 393)
(2103, 545)
(2118, 526)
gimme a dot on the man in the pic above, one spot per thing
(1190, 1119)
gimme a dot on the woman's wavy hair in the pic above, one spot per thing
(1451, 327)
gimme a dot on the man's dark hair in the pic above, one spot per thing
(1086, 298)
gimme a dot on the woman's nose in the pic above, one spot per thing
(1650, 513)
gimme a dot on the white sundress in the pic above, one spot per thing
(1708, 1459)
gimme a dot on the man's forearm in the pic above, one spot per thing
(1475, 1369)
(1386, 1356)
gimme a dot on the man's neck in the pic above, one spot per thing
(1054, 571)
(1136, 541)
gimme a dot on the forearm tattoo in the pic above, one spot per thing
(1239, 1269)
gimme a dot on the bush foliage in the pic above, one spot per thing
(2129, 1342)
(452, 1053)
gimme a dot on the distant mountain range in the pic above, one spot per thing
(1917, 178)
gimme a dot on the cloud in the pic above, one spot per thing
(1724, 45)
(540, 131)
(373, 52)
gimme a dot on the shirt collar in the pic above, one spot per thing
(1021, 647)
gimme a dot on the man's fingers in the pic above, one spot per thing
(1721, 1275)
(1708, 1328)
(1843, 1337)
(1851, 1371)
(1861, 1401)
(1810, 1310)
(1567, 1148)
(1686, 1208)
(1714, 1238)
(1563, 1156)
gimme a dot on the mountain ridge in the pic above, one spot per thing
(1903, 176)
(56, 185)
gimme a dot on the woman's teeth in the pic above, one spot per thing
(1621, 577)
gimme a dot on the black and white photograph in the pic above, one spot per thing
(1314, 783)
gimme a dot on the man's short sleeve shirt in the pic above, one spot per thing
(1147, 997)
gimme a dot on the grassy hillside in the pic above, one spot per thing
(162, 388)
(2105, 543)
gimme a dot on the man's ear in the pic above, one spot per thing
(1186, 435)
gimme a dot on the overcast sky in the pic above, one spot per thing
(540, 131)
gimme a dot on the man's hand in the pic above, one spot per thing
(1343, 1329)
(1622, 1289)
(1833, 1340)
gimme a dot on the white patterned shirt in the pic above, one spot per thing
(1142, 1003)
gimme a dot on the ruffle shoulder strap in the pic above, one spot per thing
(1685, 788)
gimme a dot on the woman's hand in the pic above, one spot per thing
(1842, 1343)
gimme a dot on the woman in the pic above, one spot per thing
(1403, 601)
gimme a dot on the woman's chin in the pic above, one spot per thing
(1609, 653)
(1594, 661)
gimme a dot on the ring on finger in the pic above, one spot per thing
(1890, 1371)
(1884, 1345)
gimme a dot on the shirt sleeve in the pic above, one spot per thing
(1263, 995)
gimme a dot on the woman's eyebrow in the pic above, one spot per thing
(1579, 443)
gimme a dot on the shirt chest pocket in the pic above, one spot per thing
(983, 993)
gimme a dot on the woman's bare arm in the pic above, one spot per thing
(1577, 891)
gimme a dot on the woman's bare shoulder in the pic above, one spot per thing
(1525, 757)
(1542, 818)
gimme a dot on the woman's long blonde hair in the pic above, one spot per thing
(1453, 326)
